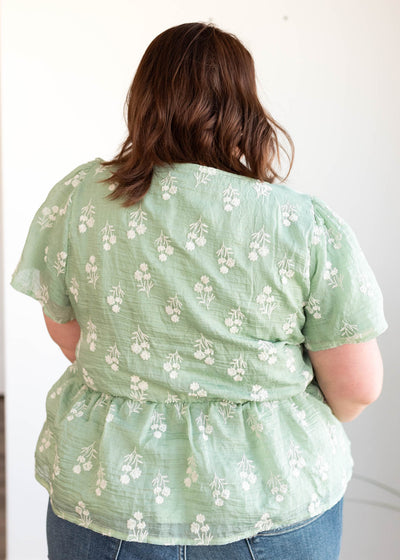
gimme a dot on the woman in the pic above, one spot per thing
(220, 326)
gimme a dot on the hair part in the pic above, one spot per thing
(194, 99)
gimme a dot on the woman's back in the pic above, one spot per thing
(192, 397)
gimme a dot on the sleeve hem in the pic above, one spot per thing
(327, 345)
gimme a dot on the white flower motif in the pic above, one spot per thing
(204, 350)
(234, 320)
(196, 235)
(174, 309)
(161, 489)
(231, 199)
(130, 467)
(259, 244)
(86, 219)
(85, 459)
(225, 260)
(204, 174)
(289, 214)
(137, 223)
(266, 301)
(115, 298)
(108, 236)
(173, 364)
(168, 186)
(140, 344)
(143, 279)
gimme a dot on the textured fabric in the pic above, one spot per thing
(314, 539)
(191, 415)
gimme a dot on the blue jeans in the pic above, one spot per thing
(315, 539)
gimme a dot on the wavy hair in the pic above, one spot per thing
(194, 99)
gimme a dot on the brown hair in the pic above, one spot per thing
(194, 100)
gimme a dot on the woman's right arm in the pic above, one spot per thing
(350, 377)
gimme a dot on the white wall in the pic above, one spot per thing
(328, 69)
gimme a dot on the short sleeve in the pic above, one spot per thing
(41, 271)
(345, 304)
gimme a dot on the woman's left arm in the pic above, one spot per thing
(66, 335)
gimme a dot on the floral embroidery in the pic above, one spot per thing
(108, 236)
(101, 483)
(88, 380)
(77, 411)
(191, 471)
(227, 409)
(289, 214)
(195, 390)
(91, 271)
(296, 460)
(286, 269)
(48, 217)
(42, 294)
(278, 488)
(235, 320)
(197, 235)
(238, 368)
(255, 425)
(259, 244)
(258, 393)
(86, 219)
(143, 279)
(204, 427)
(60, 263)
(137, 528)
(164, 247)
(331, 274)
(204, 291)
(91, 335)
(313, 307)
(262, 189)
(76, 179)
(180, 407)
(349, 331)
(246, 473)
(231, 199)
(74, 289)
(300, 415)
(203, 175)
(84, 514)
(219, 490)
(45, 441)
(115, 298)
(130, 468)
(173, 364)
(315, 505)
(141, 344)
(158, 425)
(85, 459)
(267, 352)
(204, 350)
(265, 523)
(225, 259)
(138, 392)
(266, 301)
(137, 223)
(168, 186)
(112, 358)
(321, 468)
(202, 530)
(290, 324)
(173, 308)
(160, 487)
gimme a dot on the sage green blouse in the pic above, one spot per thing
(191, 414)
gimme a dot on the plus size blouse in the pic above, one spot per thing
(191, 414)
